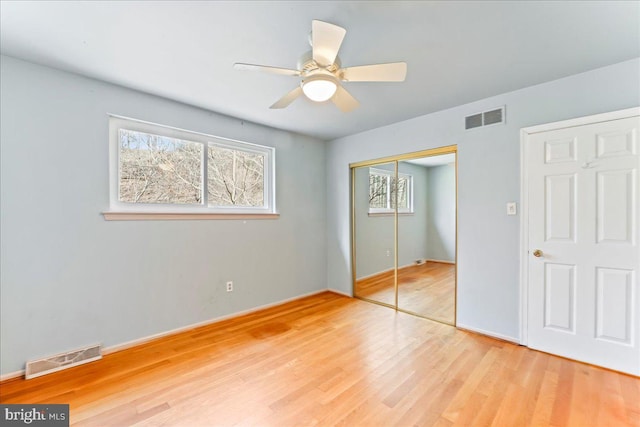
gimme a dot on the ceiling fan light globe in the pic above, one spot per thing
(319, 89)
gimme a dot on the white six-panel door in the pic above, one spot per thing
(582, 235)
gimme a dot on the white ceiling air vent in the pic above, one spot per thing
(486, 118)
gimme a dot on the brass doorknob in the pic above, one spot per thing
(537, 253)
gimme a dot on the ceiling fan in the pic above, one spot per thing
(321, 73)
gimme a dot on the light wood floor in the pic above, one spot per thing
(331, 360)
(427, 289)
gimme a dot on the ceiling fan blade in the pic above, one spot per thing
(344, 101)
(266, 69)
(325, 41)
(287, 99)
(392, 72)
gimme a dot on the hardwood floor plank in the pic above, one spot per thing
(331, 360)
(630, 393)
(564, 394)
(544, 400)
(460, 402)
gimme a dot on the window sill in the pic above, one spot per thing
(390, 213)
(164, 216)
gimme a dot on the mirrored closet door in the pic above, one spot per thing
(375, 239)
(404, 233)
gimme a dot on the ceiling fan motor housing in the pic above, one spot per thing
(306, 64)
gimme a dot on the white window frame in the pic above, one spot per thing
(128, 211)
(389, 175)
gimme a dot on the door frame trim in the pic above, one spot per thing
(525, 134)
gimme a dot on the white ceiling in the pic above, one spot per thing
(431, 161)
(456, 52)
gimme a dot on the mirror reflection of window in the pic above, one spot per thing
(383, 187)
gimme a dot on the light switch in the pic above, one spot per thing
(511, 208)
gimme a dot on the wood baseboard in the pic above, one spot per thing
(440, 261)
(337, 292)
(487, 333)
(11, 376)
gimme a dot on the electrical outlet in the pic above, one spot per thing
(229, 286)
(388, 252)
(511, 208)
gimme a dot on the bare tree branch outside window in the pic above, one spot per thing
(402, 188)
(158, 169)
(163, 170)
(383, 188)
(235, 177)
(378, 191)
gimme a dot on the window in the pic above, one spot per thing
(158, 169)
(384, 191)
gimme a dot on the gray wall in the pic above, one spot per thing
(441, 213)
(376, 234)
(488, 177)
(69, 278)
